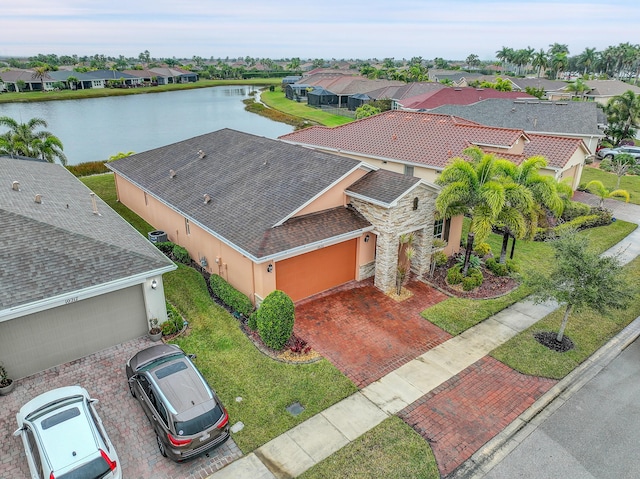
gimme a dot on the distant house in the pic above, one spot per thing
(601, 91)
(576, 119)
(455, 96)
(266, 215)
(166, 75)
(75, 278)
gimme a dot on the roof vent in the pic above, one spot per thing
(207, 198)
(94, 204)
(15, 186)
(201, 154)
(38, 199)
(172, 173)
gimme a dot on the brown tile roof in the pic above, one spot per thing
(556, 150)
(422, 138)
(458, 96)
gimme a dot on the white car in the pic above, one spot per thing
(610, 153)
(64, 438)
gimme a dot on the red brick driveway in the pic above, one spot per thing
(103, 375)
(365, 333)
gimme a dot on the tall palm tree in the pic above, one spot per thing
(578, 87)
(624, 111)
(40, 73)
(558, 63)
(471, 188)
(540, 61)
(588, 59)
(22, 139)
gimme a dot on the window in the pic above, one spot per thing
(415, 203)
(146, 200)
(408, 170)
(441, 229)
(186, 226)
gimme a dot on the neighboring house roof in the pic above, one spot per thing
(413, 137)
(604, 88)
(343, 84)
(256, 186)
(171, 72)
(574, 117)
(555, 149)
(547, 85)
(16, 74)
(60, 245)
(405, 91)
(457, 96)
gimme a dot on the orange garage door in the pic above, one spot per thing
(317, 271)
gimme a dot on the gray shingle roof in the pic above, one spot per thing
(383, 186)
(60, 246)
(254, 183)
(573, 117)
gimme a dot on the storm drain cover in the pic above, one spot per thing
(295, 408)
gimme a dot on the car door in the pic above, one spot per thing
(33, 453)
(151, 404)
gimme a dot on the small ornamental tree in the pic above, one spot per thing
(275, 319)
(581, 279)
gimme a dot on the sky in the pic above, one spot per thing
(340, 29)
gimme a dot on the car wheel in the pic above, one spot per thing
(161, 446)
(608, 157)
(132, 390)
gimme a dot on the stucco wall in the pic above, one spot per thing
(333, 197)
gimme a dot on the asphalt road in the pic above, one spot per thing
(594, 434)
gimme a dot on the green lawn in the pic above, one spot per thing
(230, 361)
(456, 315)
(11, 97)
(391, 450)
(277, 100)
(588, 330)
(629, 182)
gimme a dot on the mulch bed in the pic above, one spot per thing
(492, 286)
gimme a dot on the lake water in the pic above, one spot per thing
(95, 129)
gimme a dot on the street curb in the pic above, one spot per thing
(494, 451)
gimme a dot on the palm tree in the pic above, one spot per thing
(623, 114)
(597, 188)
(504, 55)
(544, 194)
(40, 73)
(578, 87)
(540, 61)
(558, 63)
(471, 188)
(22, 139)
(588, 59)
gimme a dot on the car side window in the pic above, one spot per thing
(35, 452)
(146, 387)
(96, 421)
(162, 412)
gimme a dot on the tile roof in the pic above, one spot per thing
(574, 117)
(555, 149)
(547, 85)
(610, 87)
(255, 184)
(458, 96)
(60, 246)
(406, 91)
(413, 137)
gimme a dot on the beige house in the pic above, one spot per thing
(267, 215)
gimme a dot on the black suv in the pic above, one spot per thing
(185, 412)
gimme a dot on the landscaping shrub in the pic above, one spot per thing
(165, 246)
(496, 268)
(174, 316)
(275, 319)
(252, 322)
(575, 209)
(454, 275)
(579, 223)
(230, 296)
(168, 328)
(482, 250)
(473, 279)
(440, 258)
(474, 261)
(88, 168)
(181, 255)
(512, 266)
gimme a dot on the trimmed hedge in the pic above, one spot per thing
(440, 258)
(230, 296)
(165, 246)
(598, 217)
(88, 168)
(472, 280)
(496, 268)
(181, 254)
(574, 210)
(454, 275)
(275, 320)
(482, 250)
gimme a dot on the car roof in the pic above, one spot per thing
(154, 353)
(69, 420)
(182, 386)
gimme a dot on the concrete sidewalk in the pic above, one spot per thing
(300, 448)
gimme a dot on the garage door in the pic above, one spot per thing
(42, 340)
(317, 271)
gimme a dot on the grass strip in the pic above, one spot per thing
(391, 450)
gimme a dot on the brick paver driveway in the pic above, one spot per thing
(365, 333)
(103, 375)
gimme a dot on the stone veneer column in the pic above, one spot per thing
(386, 261)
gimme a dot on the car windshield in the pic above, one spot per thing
(200, 423)
(95, 469)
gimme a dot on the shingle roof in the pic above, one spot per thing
(458, 96)
(60, 246)
(406, 91)
(421, 138)
(610, 87)
(255, 184)
(383, 186)
(547, 85)
(531, 115)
